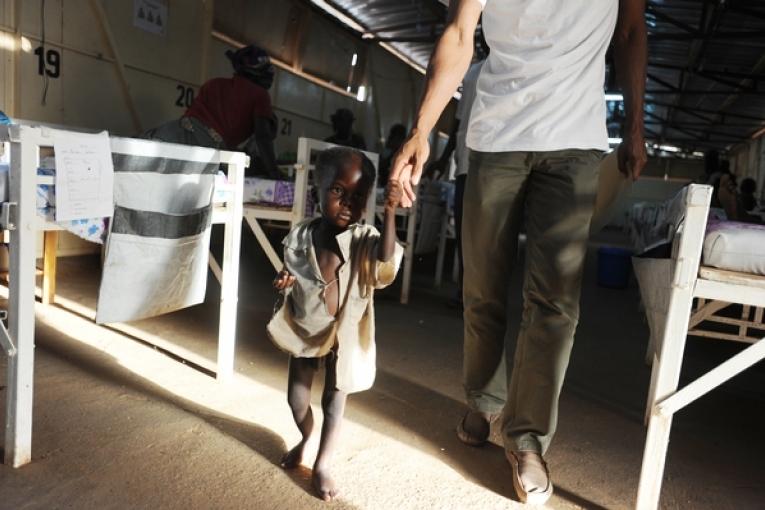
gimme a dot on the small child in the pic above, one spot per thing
(332, 265)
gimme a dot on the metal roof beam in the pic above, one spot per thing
(711, 72)
(742, 35)
(410, 39)
(744, 92)
(405, 26)
(755, 13)
(697, 111)
(711, 16)
(689, 124)
(664, 83)
(660, 15)
(717, 76)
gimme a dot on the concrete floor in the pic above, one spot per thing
(121, 424)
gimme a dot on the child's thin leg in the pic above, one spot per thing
(300, 378)
(333, 407)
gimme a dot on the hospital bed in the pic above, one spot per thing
(265, 203)
(20, 218)
(669, 286)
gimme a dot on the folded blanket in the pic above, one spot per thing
(735, 246)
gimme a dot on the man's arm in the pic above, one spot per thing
(451, 58)
(630, 56)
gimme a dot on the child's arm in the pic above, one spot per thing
(283, 280)
(393, 194)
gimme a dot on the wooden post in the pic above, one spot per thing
(411, 223)
(9, 68)
(107, 32)
(208, 14)
(50, 245)
(295, 37)
(302, 174)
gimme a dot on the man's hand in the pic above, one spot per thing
(283, 280)
(408, 163)
(394, 193)
(632, 156)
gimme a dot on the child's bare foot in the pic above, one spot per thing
(324, 485)
(294, 457)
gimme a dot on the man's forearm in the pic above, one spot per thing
(631, 55)
(448, 64)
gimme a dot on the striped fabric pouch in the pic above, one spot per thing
(158, 242)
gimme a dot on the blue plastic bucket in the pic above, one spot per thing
(614, 266)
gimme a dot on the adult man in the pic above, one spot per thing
(537, 131)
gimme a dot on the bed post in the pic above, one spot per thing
(21, 299)
(230, 272)
(669, 359)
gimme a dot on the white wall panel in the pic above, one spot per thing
(300, 96)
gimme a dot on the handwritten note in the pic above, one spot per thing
(84, 176)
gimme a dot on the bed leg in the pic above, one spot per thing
(50, 246)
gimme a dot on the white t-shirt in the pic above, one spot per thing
(541, 88)
(461, 153)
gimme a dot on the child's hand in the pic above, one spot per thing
(283, 280)
(393, 194)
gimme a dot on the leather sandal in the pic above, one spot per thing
(471, 439)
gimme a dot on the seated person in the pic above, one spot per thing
(396, 137)
(230, 111)
(736, 205)
(748, 189)
(342, 125)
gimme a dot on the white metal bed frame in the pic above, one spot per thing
(306, 147)
(689, 281)
(20, 217)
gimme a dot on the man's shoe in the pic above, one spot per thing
(531, 477)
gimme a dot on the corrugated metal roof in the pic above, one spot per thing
(706, 62)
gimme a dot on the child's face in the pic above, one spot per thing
(345, 199)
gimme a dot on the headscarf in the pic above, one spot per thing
(254, 64)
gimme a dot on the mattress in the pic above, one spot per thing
(266, 193)
(91, 229)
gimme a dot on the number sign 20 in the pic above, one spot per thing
(185, 96)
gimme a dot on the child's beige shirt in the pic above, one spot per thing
(303, 327)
